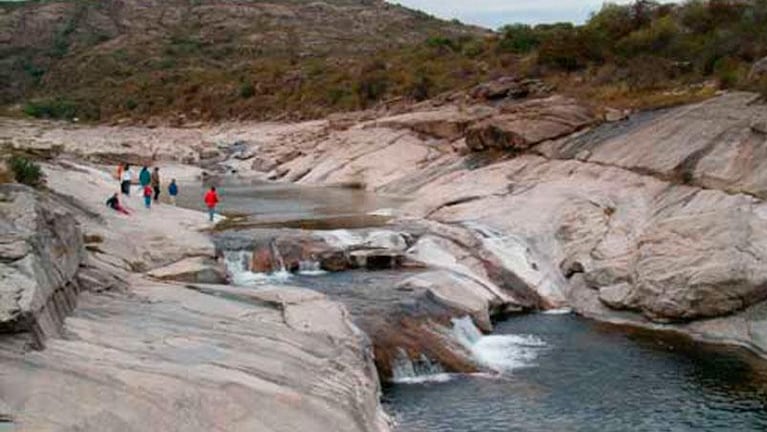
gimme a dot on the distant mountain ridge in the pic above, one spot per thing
(204, 58)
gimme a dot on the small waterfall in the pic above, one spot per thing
(407, 371)
(501, 353)
(466, 332)
(238, 267)
(277, 256)
(310, 268)
(282, 273)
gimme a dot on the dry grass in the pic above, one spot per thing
(621, 96)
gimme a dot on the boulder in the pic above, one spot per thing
(263, 164)
(456, 292)
(615, 296)
(509, 87)
(192, 270)
(758, 70)
(447, 122)
(41, 250)
(614, 115)
(699, 266)
(262, 261)
(521, 126)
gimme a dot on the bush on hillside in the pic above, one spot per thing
(51, 109)
(247, 90)
(729, 72)
(519, 38)
(372, 84)
(26, 171)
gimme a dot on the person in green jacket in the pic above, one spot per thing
(144, 178)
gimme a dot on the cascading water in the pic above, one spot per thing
(407, 371)
(310, 268)
(277, 256)
(238, 267)
(501, 353)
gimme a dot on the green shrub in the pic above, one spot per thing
(26, 171)
(519, 38)
(51, 108)
(441, 42)
(247, 90)
(34, 71)
(729, 72)
(421, 88)
(372, 83)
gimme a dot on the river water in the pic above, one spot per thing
(558, 372)
(586, 376)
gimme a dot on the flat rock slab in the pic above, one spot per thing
(172, 359)
(194, 269)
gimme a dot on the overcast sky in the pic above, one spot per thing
(495, 13)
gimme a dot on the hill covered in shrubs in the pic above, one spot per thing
(289, 59)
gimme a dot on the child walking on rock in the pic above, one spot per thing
(148, 196)
(211, 200)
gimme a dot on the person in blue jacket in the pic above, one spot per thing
(173, 191)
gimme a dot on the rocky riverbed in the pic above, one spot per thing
(138, 353)
(657, 220)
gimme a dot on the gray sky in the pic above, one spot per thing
(495, 13)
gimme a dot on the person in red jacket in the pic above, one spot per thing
(211, 200)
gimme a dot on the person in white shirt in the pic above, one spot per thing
(126, 180)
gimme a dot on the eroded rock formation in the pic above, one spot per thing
(41, 250)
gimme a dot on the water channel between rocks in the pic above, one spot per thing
(558, 372)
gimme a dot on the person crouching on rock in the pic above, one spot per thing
(114, 204)
(211, 201)
(148, 196)
(155, 180)
(126, 180)
(173, 191)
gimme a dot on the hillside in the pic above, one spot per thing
(215, 60)
(206, 58)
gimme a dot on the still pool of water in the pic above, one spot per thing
(588, 376)
(286, 205)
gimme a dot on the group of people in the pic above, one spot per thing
(150, 188)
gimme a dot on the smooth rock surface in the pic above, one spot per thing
(167, 358)
(41, 250)
(195, 270)
(158, 356)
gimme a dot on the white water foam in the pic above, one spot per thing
(310, 268)
(383, 212)
(501, 353)
(238, 266)
(560, 311)
(423, 370)
(436, 378)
